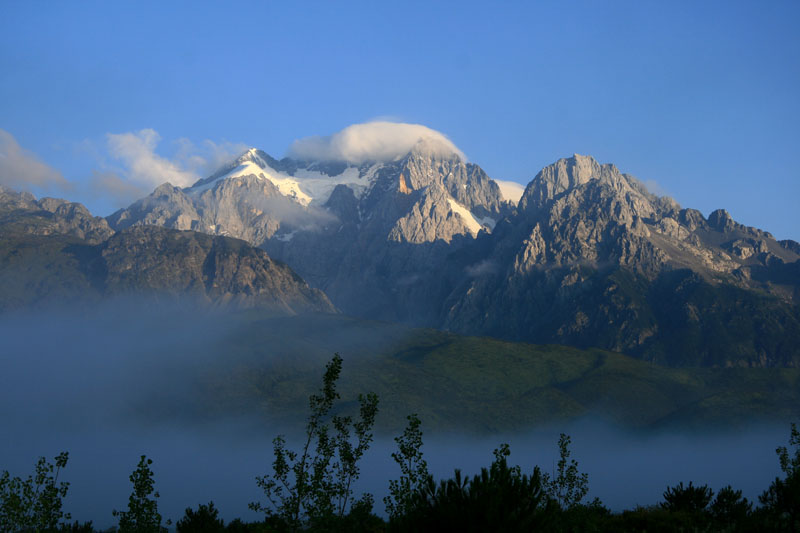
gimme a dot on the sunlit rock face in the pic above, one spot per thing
(379, 258)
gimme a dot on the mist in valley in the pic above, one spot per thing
(130, 378)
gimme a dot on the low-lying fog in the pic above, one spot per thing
(72, 383)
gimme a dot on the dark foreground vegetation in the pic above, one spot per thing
(311, 489)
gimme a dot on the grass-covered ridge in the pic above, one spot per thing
(479, 384)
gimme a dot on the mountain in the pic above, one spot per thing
(54, 252)
(588, 257)
(593, 259)
(367, 235)
(258, 198)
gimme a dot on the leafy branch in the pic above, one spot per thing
(35, 503)
(314, 485)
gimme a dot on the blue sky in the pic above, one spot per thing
(700, 98)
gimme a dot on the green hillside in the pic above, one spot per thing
(476, 384)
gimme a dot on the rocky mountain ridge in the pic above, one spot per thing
(53, 252)
(20, 212)
(362, 233)
(587, 212)
(588, 257)
(593, 259)
(258, 198)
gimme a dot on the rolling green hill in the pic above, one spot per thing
(475, 384)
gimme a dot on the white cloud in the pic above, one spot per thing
(293, 215)
(143, 170)
(21, 169)
(372, 141)
(145, 167)
(140, 171)
(511, 190)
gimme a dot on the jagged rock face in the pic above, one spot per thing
(377, 260)
(578, 211)
(12, 200)
(233, 208)
(584, 212)
(244, 206)
(429, 218)
(466, 183)
(423, 198)
(592, 259)
(22, 213)
(257, 198)
(167, 206)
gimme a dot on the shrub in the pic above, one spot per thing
(500, 498)
(689, 499)
(729, 507)
(204, 520)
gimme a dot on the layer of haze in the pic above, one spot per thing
(122, 381)
(699, 98)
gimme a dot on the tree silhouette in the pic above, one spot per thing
(34, 503)
(568, 486)
(142, 515)
(413, 469)
(782, 498)
(314, 486)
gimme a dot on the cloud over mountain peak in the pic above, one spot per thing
(373, 141)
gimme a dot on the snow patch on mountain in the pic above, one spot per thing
(306, 187)
(320, 186)
(287, 185)
(473, 223)
(373, 141)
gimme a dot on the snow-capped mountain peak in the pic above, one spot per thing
(302, 182)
